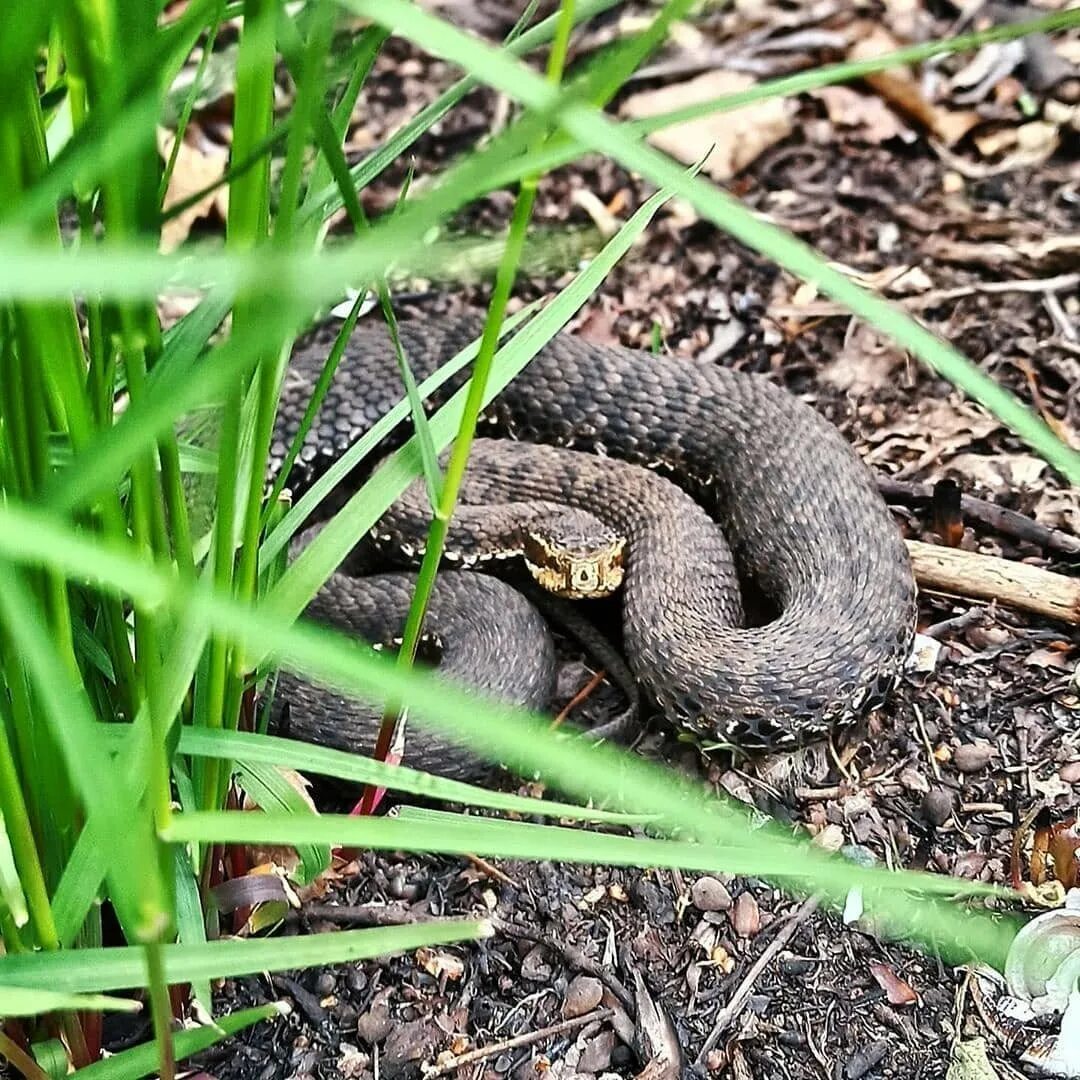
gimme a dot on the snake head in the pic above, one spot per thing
(576, 566)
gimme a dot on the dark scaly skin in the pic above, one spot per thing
(374, 609)
(680, 586)
(494, 530)
(797, 506)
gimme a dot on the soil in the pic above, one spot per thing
(939, 780)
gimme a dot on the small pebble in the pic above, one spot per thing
(969, 865)
(325, 983)
(535, 966)
(373, 1026)
(861, 1062)
(746, 915)
(937, 806)
(710, 894)
(796, 966)
(971, 757)
(596, 1057)
(582, 996)
(831, 838)
(1070, 772)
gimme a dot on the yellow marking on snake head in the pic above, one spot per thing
(576, 570)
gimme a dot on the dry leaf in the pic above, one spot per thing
(438, 963)
(732, 139)
(277, 854)
(1059, 508)
(867, 114)
(1000, 470)
(193, 171)
(745, 915)
(867, 361)
(896, 990)
(1055, 853)
(931, 436)
(899, 87)
(1055, 657)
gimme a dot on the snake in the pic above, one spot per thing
(723, 486)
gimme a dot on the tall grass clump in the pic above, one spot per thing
(144, 593)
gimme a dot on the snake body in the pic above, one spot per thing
(472, 646)
(719, 475)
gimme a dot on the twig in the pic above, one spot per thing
(573, 956)
(925, 736)
(360, 914)
(987, 514)
(827, 308)
(821, 794)
(527, 1039)
(492, 871)
(582, 695)
(1056, 284)
(987, 577)
(972, 617)
(1061, 319)
(726, 1016)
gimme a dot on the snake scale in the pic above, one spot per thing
(712, 475)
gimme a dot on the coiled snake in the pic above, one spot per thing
(710, 474)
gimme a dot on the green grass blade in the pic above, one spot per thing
(137, 890)
(93, 851)
(22, 1001)
(189, 103)
(190, 926)
(365, 52)
(91, 970)
(272, 792)
(453, 834)
(142, 1061)
(11, 892)
(325, 761)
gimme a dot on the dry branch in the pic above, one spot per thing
(987, 577)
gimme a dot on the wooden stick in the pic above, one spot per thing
(734, 1007)
(986, 577)
(527, 1039)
